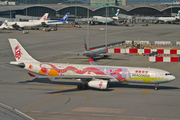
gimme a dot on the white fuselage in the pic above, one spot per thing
(121, 74)
(25, 24)
(96, 52)
(102, 19)
(168, 19)
(53, 22)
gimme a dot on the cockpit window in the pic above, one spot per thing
(168, 74)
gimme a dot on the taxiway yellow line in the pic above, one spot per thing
(23, 107)
(25, 77)
(146, 92)
(118, 90)
(31, 104)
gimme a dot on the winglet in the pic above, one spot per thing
(32, 75)
(91, 61)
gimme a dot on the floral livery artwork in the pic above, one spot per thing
(118, 73)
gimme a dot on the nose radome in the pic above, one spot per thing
(172, 78)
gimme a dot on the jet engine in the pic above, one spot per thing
(99, 84)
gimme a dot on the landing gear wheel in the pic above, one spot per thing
(156, 86)
(37, 28)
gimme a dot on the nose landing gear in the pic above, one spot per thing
(156, 86)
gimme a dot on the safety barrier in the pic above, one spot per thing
(145, 51)
(163, 59)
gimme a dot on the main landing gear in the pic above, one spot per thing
(82, 87)
(156, 86)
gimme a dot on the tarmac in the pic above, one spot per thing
(45, 99)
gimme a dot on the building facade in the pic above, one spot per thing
(103, 3)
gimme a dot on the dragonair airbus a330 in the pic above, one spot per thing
(94, 75)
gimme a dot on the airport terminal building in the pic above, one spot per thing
(80, 11)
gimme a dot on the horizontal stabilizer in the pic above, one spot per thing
(91, 61)
(21, 64)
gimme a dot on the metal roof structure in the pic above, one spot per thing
(54, 9)
(92, 8)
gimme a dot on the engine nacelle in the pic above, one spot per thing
(99, 84)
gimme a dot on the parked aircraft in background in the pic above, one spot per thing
(169, 19)
(99, 52)
(34, 23)
(100, 19)
(93, 75)
(5, 25)
(56, 22)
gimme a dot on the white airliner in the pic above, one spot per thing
(28, 24)
(5, 25)
(57, 22)
(93, 75)
(99, 52)
(170, 19)
(101, 19)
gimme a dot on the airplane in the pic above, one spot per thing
(34, 23)
(5, 25)
(99, 52)
(56, 22)
(100, 19)
(93, 75)
(169, 19)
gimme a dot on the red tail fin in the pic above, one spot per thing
(91, 61)
(86, 48)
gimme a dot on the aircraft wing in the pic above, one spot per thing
(105, 54)
(15, 26)
(72, 76)
(76, 53)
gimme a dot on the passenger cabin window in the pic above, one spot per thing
(168, 74)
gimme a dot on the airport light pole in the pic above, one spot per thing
(106, 28)
(171, 7)
(26, 10)
(75, 11)
(88, 25)
(10, 12)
